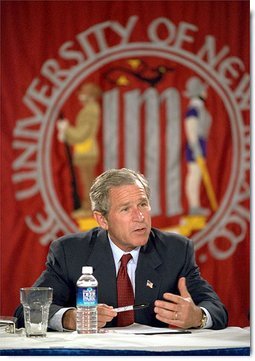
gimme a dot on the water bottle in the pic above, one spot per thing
(86, 302)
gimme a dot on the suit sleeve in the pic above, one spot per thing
(201, 291)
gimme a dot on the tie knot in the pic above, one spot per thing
(125, 259)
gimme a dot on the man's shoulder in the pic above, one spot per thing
(169, 238)
(79, 238)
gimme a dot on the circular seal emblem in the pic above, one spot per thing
(156, 116)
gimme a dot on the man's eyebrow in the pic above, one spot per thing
(142, 199)
(124, 204)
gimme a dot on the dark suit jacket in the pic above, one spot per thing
(163, 260)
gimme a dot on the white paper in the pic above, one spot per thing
(137, 328)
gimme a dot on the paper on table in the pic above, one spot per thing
(137, 328)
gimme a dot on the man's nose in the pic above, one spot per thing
(138, 215)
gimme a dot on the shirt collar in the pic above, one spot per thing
(118, 253)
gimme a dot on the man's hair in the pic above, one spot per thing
(99, 192)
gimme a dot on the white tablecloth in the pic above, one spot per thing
(231, 337)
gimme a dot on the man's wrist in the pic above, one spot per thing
(69, 319)
(203, 320)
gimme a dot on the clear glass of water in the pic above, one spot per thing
(36, 303)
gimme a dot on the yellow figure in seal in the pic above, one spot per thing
(83, 137)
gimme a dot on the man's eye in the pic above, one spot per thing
(144, 204)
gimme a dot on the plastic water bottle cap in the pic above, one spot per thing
(87, 270)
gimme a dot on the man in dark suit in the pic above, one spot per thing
(162, 270)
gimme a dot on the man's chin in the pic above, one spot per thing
(140, 237)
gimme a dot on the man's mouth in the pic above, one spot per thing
(140, 230)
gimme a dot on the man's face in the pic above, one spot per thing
(129, 220)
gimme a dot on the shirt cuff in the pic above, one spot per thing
(209, 322)
(55, 322)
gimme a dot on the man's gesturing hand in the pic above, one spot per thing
(179, 311)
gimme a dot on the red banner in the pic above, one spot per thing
(175, 105)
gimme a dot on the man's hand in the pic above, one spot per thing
(69, 319)
(105, 314)
(179, 311)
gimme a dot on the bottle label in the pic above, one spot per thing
(86, 296)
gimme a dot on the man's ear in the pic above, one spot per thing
(101, 220)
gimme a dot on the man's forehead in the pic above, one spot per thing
(128, 190)
(136, 184)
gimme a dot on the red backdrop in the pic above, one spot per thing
(49, 48)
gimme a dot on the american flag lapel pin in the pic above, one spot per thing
(149, 284)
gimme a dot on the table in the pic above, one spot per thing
(230, 341)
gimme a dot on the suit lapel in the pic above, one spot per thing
(148, 277)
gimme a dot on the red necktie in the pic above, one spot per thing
(125, 292)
